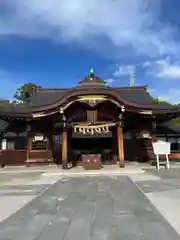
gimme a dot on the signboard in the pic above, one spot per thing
(162, 148)
(89, 135)
(93, 129)
(38, 138)
(144, 134)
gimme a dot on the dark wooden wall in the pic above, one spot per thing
(13, 157)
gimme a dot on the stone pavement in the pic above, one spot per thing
(77, 171)
(89, 208)
(163, 190)
(17, 189)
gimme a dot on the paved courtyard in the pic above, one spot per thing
(89, 207)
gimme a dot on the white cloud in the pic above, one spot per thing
(146, 64)
(130, 23)
(110, 81)
(171, 96)
(8, 85)
(151, 90)
(168, 70)
(163, 68)
(123, 70)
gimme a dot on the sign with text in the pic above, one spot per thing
(38, 138)
(161, 147)
(93, 130)
(88, 135)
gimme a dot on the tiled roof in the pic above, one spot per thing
(168, 128)
(93, 81)
(12, 108)
(45, 97)
(136, 97)
(141, 97)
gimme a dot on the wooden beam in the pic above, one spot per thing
(64, 149)
(120, 141)
(153, 137)
(153, 133)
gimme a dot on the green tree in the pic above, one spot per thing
(25, 91)
(157, 101)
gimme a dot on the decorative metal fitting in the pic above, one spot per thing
(123, 108)
(61, 110)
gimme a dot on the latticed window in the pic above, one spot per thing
(10, 144)
(39, 143)
(56, 138)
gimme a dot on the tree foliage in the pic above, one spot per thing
(25, 91)
(157, 101)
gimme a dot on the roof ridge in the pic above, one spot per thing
(51, 89)
(144, 87)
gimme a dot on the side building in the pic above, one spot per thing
(60, 125)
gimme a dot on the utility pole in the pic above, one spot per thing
(132, 78)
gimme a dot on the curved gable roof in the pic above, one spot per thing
(140, 96)
(46, 99)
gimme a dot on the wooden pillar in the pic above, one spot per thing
(153, 133)
(29, 146)
(120, 141)
(153, 137)
(64, 149)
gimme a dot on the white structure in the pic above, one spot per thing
(162, 148)
(4, 144)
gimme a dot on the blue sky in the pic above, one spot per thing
(54, 43)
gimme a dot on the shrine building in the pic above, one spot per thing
(63, 126)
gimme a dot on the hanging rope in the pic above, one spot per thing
(93, 129)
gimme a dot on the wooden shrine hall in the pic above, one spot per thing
(90, 123)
